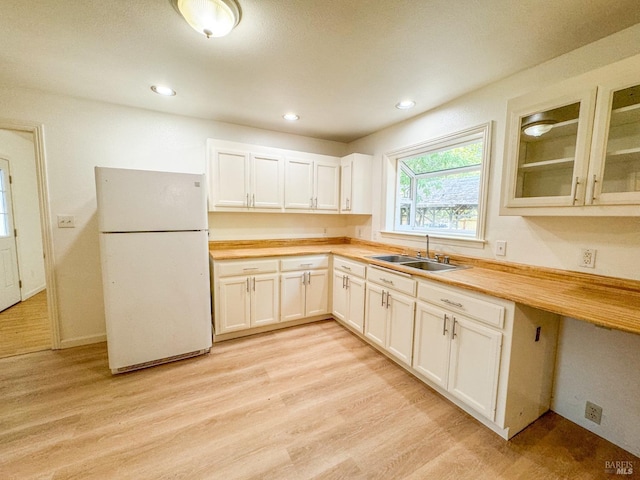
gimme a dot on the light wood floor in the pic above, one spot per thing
(25, 327)
(307, 402)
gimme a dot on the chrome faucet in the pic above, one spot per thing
(428, 256)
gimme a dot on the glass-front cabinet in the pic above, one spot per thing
(615, 178)
(574, 148)
(548, 151)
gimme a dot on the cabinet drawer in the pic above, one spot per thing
(397, 281)
(349, 266)
(307, 262)
(230, 268)
(457, 300)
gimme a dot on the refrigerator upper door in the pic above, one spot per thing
(148, 201)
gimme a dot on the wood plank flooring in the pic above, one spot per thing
(25, 327)
(309, 402)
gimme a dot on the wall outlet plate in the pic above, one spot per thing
(501, 248)
(587, 258)
(66, 221)
(593, 412)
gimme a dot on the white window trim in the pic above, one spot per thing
(483, 132)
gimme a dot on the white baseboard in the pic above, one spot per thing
(32, 292)
(79, 341)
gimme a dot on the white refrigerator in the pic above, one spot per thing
(155, 269)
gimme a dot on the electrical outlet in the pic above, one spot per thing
(593, 412)
(587, 258)
(66, 221)
(501, 248)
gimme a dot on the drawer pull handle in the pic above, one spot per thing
(453, 304)
(390, 282)
(248, 269)
(306, 264)
(346, 268)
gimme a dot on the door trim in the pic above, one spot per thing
(47, 234)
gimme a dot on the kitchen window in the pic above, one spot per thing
(441, 185)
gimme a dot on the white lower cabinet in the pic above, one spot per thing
(389, 314)
(349, 292)
(459, 355)
(492, 357)
(244, 296)
(304, 293)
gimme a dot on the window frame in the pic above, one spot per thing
(470, 135)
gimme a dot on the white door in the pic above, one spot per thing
(230, 179)
(340, 304)
(475, 362)
(400, 330)
(432, 342)
(9, 276)
(298, 189)
(234, 310)
(327, 183)
(266, 181)
(317, 294)
(375, 324)
(345, 186)
(265, 300)
(292, 295)
(355, 313)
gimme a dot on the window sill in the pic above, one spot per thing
(440, 239)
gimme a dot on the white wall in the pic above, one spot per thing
(79, 135)
(591, 364)
(18, 148)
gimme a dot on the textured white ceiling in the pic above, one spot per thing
(342, 65)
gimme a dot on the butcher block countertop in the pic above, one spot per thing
(604, 301)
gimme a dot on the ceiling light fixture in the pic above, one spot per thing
(291, 117)
(537, 129)
(211, 18)
(405, 104)
(163, 90)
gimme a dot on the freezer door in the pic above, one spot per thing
(156, 294)
(148, 201)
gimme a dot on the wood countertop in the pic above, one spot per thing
(604, 301)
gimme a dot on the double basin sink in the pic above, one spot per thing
(416, 262)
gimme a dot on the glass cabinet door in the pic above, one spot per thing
(615, 177)
(548, 151)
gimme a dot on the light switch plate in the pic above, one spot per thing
(501, 248)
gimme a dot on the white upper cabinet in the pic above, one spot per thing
(241, 178)
(355, 184)
(574, 148)
(312, 183)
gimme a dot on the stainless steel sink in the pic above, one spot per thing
(430, 266)
(417, 263)
(394, 258)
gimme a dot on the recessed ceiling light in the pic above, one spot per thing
(163, 90)
(405, 104)
(291, 117)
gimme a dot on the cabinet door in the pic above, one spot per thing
(340, 292)
(400, 329)
(234, 305)
(292, 296)
(615, 169)
(548, 144)
(265, 300)
(346, 185)
(474, 365)
(317, 293)
(230, 179)
(375, 323)
(266, 181)
(327, 185)
(355, 312)
(432, 342)
(298, 184)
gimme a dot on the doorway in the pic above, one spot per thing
(28, 320)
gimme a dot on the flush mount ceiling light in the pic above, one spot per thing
(211, 18)
(538, 124)
(291, 117)
(538, 129)
(405, 104)
(163, 90)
